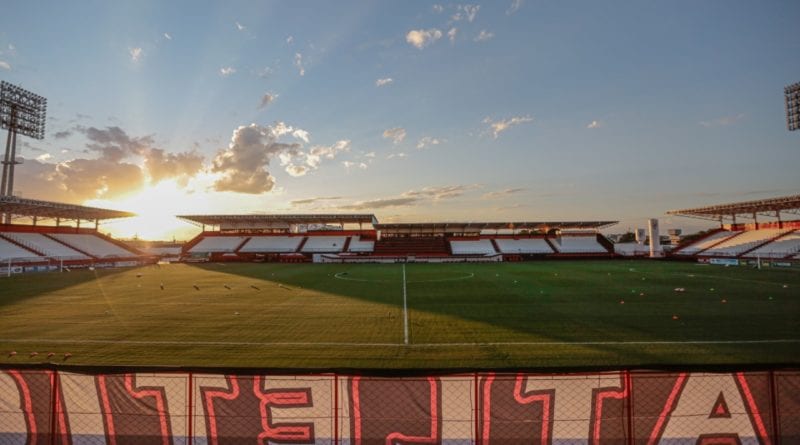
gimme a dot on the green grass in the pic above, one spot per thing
(537, 314)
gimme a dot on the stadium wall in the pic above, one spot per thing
(46, 406)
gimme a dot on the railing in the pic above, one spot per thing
(485, 408)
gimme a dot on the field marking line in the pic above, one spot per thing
(405, 307)
(340, 276)
(414, 345)
(465, 277)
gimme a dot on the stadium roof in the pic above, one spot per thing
(462, 227)
(17, 206)
(767, 207)
(215, 220)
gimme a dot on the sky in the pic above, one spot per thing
(415, 111)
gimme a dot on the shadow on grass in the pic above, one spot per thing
(574, 307)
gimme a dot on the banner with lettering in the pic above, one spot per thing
(637, 407)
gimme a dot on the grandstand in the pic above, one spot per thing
(776, 238)
(292, 238)
(44, 235)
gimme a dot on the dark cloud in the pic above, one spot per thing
(162, 165)
(412, 197)
(381, 203)
(62, 134)
(299, 202)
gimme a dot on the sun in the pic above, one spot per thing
(155, 207)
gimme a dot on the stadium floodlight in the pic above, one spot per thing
(21, 112)
(792, 93)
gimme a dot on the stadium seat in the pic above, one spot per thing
(93, 245)
(524, 246)
(324, 244)
(477, 247)
(49, 247)
(579, 244)
(217, 244)
(271, 244)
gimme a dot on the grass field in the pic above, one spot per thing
(536, 314)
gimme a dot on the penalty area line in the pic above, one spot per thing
(383, 345)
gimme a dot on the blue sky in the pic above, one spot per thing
(416, 111)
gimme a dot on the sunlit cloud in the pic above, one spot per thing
(167, 36)
(437, 8)
(593, 125)
(428, 141)
(452, 34)
(383, 82)
(227, 71)
(502, 193)
(497, 127)
(240, 27)
(298, 63)
(397, 134)
(307, 201)
(483, 36)
(135, 54)
(267, 99)
(466, 12)
(399, 155)
(515, 5)
(43, 157)
(289, 40)
(420, 38)
(5, 65)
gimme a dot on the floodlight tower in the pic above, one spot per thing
(792, 93)
(23, 112)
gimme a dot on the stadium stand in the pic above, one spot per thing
(417, 246)
(781, 247)
(706, 242)
(523, 246)
(218, 244)
(742, 242)
(324, 244)
(47, 246)
(472, 247)
(359, 245)
(11, 251)
(271, 244)
(579, 244)
(93, 245)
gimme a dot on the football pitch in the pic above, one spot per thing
(547, 314)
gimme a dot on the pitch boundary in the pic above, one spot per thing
(417, 345)
(340, 276)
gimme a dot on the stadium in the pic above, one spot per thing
(344, 223)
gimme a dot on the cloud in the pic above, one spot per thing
(379, 203)
(62, 134)
(593, 125)
(497, 127)
(167, 36)
(298, 63)
(399, 155)
(306, 201)
(265, 73)
(85, 179)
(136, 54)
(411, 198)
(226, 71)
(243, 166)
(421, 38)
(397, 134)
(483, 36)
(468, 12)
(452, 34)
(43, 157)
(437, 8)
(267, 99)
(5, 65)
(501, 193)
(113, 143)
(240, 27)
(383, 82)
(515, 5)
(289, 40)
(162, 165)
(440, 193)
(427, 141)
(722, 121)
(350, 164)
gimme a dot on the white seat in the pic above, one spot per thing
(324, 244)
(523, 245)
(580, 244)
(706, 242)
(45, 245)
(780, 248)
(357, 245)
(477, 247)
(217, 244)
(272, 244)
(93, 245)
(11, 251)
